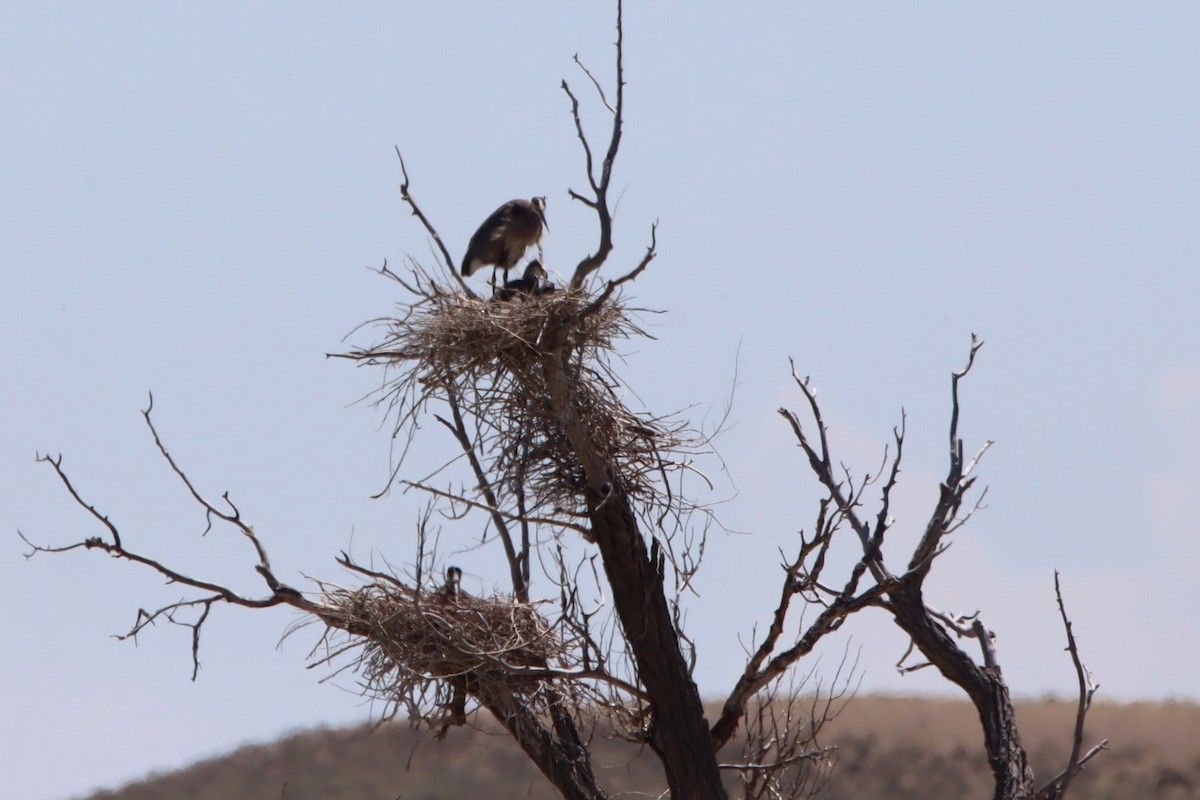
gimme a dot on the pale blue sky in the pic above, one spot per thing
(191, 195)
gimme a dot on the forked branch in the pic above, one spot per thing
(599, 183)
(279, 593)
(1056, 789)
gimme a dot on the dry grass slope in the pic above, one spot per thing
(898, 749)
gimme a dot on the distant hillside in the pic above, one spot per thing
(893, 749)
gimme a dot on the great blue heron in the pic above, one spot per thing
(532, 284)
(452, 589)
(505, 236)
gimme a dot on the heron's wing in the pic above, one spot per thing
(492, 230)
(502, 219)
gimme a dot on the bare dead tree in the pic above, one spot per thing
(871, 583)
(568, 477)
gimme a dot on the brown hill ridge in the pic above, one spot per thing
(893, 748)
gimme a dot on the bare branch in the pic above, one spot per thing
(611, 286)
(955, 442)
(495, 511)
(580, 674)
(1057, 788)
(756, 677)
(280, 593)
(958, 482)
(883, 519)
(345, 560)
(808, 755)
(233, 517)
(146, 618)
(1052, 790)
(515, 558)
(172, 576)
(595, 83)
(416, 210)
(782, 756)
(587, 148)
(600, 184)
(62, 476)
(843, 494)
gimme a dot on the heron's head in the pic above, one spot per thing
(453, 576)
(534, 271)
(539, 205)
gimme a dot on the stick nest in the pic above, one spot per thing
(449, 337)
(412, 641)
(491, 360)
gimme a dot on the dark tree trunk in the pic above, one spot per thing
(679, 733)
(987, 690)
(563, 759)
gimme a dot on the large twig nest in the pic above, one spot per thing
(491, 360)
(410, 640)
(457, 335)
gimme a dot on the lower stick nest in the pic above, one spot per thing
(413, 642)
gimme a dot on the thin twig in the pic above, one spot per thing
(1086, 691)
(412, 203)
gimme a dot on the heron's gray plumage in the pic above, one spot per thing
(505, 236)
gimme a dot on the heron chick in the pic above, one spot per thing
(452, 589)
(531, 284)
